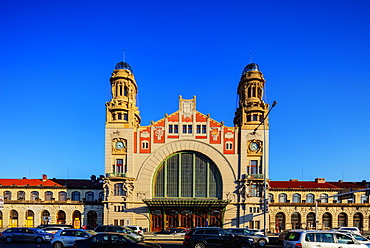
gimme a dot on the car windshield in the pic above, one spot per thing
(359, 237)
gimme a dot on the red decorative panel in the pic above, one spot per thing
(229, 141)
(173, 117)
(158, 132)
(145, 140)
(200, 117)
(173, 136)
(201, 137)
(215, 132)
(187, 119)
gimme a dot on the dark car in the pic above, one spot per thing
(111, 240)
(119, 229)
(170, 231)
(25, 235)
(202, 237)
(258, 239)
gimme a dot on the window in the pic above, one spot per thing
(324, 200)
(364, 199)
(89, 196)
(118, 189)
(76, 196)
(21, 195)
(125, 116)
(170, 128)
(271, 198)
(101, 196)
(187, 128)
(8, 195)
(34, 195)
(229, 145)
(190, 129)
(296, 198)
(253, 167)
(48, 196)
(145, 144)
(204, 129)
(198, 129)
(310, 198)
(188, 174)
(62, 196)
(282, 197)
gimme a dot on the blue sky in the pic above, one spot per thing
(56, 58)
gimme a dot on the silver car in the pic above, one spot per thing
(66, 238)
(323, 239)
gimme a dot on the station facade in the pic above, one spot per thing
(186, 169)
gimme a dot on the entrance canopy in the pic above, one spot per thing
(190, 203)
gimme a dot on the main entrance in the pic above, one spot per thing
(165, 213)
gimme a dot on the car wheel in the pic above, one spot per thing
(58, 245)
(39, 240)
(262, 242)
(199, 245)
(244, 245)
(8, 239)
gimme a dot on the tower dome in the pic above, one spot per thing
(123, 65)
(251, 67)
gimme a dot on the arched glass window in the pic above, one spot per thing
(8, 195)
(310, 220)
(48, 195)
(310, 198)
(342, 219)
(296, 220)
(357, 220)
(89, 196)
(326, 221)
(21, 195)
(187, 174)
(271, 198)
(325, 200)
(62, 196)
(34, 195)
(101, 196)
(296, 198)
(364, 199)
(282, 197)
(76, 196)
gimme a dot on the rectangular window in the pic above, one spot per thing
(184, 128)
(116, 222)
(254, 164)
(204, 129)
(121, 222)
(125, 116)
(190, 128)
(170, 129)
(176, 128)
(198, 128)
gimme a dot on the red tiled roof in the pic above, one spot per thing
(28, 182)
(301, 185)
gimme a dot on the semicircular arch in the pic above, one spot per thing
(150, 165)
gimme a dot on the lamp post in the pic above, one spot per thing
(264, 165)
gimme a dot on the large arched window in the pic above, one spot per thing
(76, 196)
(282, 197)
(296, 198)
(310, 198)
(188, 174)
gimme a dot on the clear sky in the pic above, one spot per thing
(56, 58)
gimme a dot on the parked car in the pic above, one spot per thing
(170, 231)
(111, 240)
(137, 229)
(66, 238)
(54, 225)
(361, 239)
(260, 240)
(202, 237)
(257, 231)
(351, 229)
(119, 229)
(284, 233)
(314, 239)
(54, 229)
(25, 235)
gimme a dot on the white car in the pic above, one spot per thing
(66, 238)
(354, 230)
(137, 229)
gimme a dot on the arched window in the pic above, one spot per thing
(271, 198)
(364, 199)
(280, 222)
(34, 195)
(76, 196)
(310, 220)
(296, 198)
(188, 174)
(101, 196)
(342, 219)
(8, 195)
(324, 200)
(310, 198)
(326, 221)
(89, 196)
(21, 195)
(357, 220)
(48, 196)
(296, 220)
(282, 197)
(62, 196)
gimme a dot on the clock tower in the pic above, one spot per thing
(122, 121)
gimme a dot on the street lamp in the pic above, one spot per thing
(264, 164)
